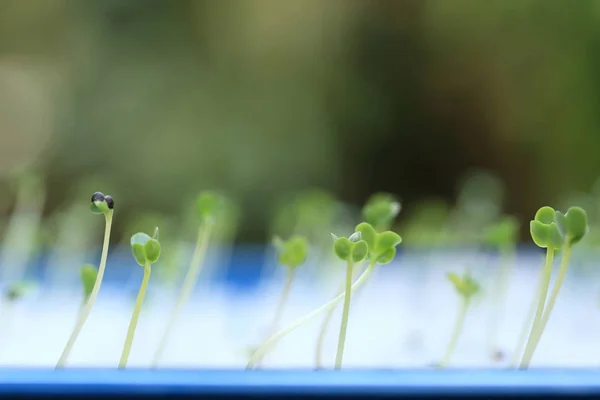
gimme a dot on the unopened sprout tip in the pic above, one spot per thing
(100, 204)
(146, 251)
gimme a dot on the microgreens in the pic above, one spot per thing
(100, 204)
(351, 250)
(381, 209)
(291, 253)
(467, 288)
(146, 251)
(552, 230)
(210, 208)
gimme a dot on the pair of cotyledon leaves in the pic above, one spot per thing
(552, 229)
(292, 252)
(465, 285)
(366, 242)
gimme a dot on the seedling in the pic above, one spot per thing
(146, 251)
(291, 254)
(100, 204)
(552, 230)
(381, 249)
(209, 206)
(352, 250)
(502, 236)
(381, 209)
(467, 288)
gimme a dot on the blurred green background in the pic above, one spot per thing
(160, 99)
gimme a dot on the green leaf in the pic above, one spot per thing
(88, 275)
(576, 224)
(387, 256)
(343, 248)
(386, 240)
(545, 215)
(139, 253)
(95, 209)
(540, 233)
(359, 251)
(152, 250)
(544, 231)
(368, 233)
(294, 251)
(140, 238)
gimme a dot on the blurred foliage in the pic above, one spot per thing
(162, 99)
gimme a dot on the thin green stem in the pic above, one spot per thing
(562, 271)
(499, 295)
(85, 312)
(345, 316)
(527, 326)
(458, 327)
(189, 282)
(274, 339)
(323, 331)
(135, 317)
(285, 294)
(529, 348)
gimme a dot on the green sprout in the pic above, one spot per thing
(380, 249)
(352, 250)
(209, 207)
(291, 254)
(467, 288)
(502, 236)
(100, 204)
(380, 210)
(552, 230)
(146, 251)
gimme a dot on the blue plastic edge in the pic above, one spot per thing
(207, 382)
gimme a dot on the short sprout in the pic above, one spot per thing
(145, 249)
(465, 285)
(544, 230)
(382, 246)
(381, 209)
(101, 204)
(292, 252)
(503, 232)
(88, 275)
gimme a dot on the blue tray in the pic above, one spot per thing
(344, 384)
